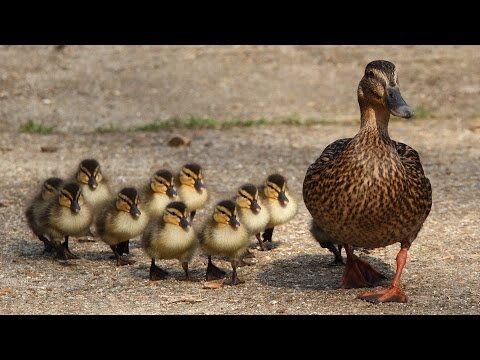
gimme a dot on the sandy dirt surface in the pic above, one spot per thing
(81, 88)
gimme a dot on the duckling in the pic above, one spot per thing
(253, 214)
(95, 187)
(159, 193)
(191, 188)
(170, 237)
(50, 189)
(224, 235)
(68, 214)
(370, 191)
(281, 206)
(336, 250)
(121, 220)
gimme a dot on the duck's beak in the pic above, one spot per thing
(134, 211)
(75, 207)
(234, 222)
(199, 185)
(171, 192)
(397, 105)
(255, 207)
(92, 182)
(184, 223)
(283, 198)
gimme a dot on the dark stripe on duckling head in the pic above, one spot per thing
(226, 206)
(249, 189)
(71, 190)
(89, 166)
(53, 183)
(385, 67)
(129, 193)
(164, 174)
(278, 180)
(194, 168)
(177, 206)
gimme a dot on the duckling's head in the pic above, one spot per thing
(128, 201)
(379, 88)
(176, 213)
(50, 187)
(247, 198)
(191, 175)
(276, 188)
(71, 197)
(163, 183)
(226, 213)
(89, 173)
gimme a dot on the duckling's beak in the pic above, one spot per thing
(397, 105)
(134, 211)
(92, 182)
(184, 223)
(75, 207)
(199, 184)
(255, 207)
(234, 222)
(171, 191)
(283, 198)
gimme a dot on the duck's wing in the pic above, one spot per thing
(331, 152)
(419, 182)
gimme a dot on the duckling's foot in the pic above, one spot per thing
(235, 280)
(242, 262)
(157, 274)
(64, 254)
(48, 247)
(213, 272)
(260, 242)
(392, 294)
(123, 247)
(267, 235)
(249, 255)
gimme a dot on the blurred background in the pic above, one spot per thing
(95, 88)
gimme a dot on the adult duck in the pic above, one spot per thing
(370, 191)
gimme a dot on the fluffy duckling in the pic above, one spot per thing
(159, 193)
(50, 189)
(170, 237)
(281, 206)
(67, 215)
(253, 214)
(191, 188)
(95, 187)
(336, 250)
(121, 221)
(224, 235)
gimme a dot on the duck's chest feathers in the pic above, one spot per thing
(98, 197)
(69, 223)
(172, 241)
(193, 198)
(124, 226)
(157, 203)
(255, 223)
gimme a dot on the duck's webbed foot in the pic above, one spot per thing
(48, 247)
(123, 247)
(121, 261)
(358, 273)
(157, 273)
(234, 280)
(213, 272)
(392, 294)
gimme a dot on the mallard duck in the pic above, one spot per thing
(159, 193)
(170, 237)
(370, 191)
(191, 188)
(121, 221)
(281, 206)
(252, 212)
(68, 214)
(224, 235)
(50, 188)
(95, 187)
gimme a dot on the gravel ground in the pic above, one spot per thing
(88, 87)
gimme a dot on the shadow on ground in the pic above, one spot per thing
(312, 272)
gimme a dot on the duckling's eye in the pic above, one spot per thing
(370, 74)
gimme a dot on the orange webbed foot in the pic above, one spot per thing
(392, 294)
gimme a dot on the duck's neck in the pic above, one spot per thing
(374, 120)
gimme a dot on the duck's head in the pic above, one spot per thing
(163, 183)
(89, 173)
(128, 201)
(225, 213)
(176, 213)
(247, 198)
(379, 88)
(50, 187)
(71, 197)
(276, 189)
(191, 175)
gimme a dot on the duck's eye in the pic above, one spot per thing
(370, 74)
